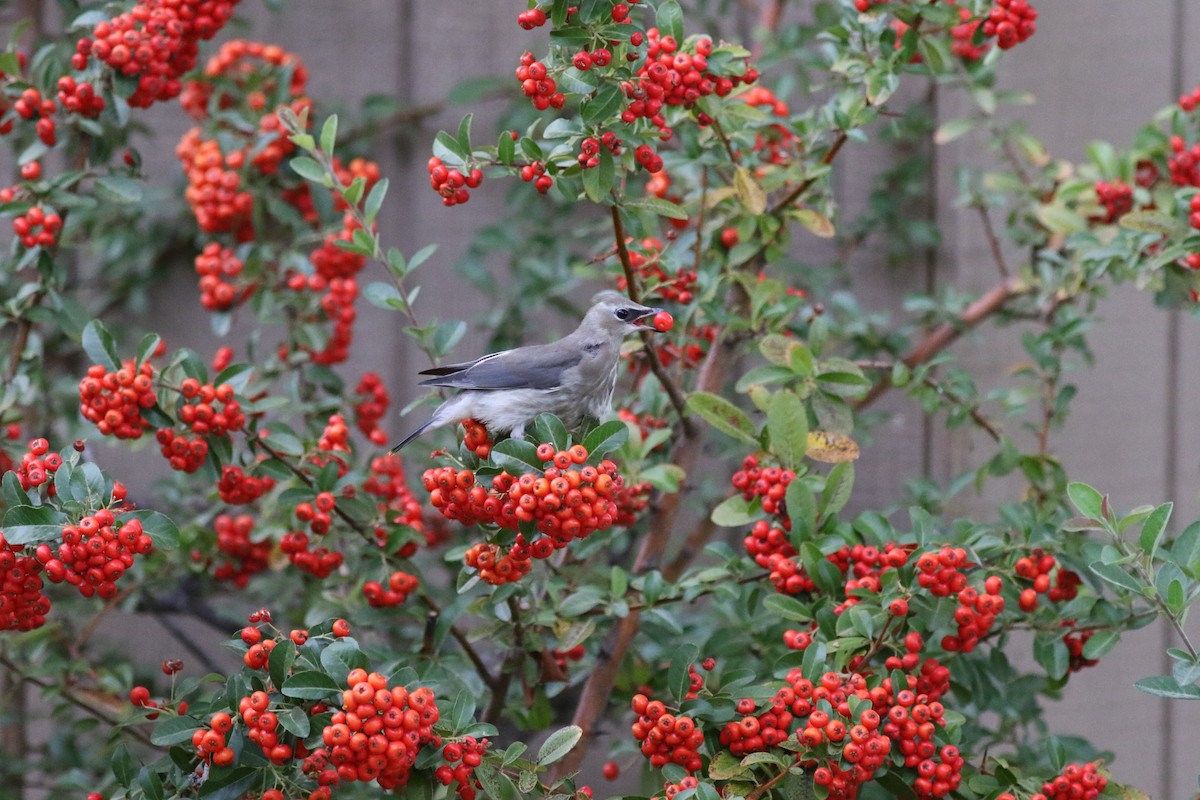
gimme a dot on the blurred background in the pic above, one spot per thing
(1099, 69)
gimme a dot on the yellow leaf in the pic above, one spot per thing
(750, 191)
(831, 448)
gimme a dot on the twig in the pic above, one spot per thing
(945, 334)
(972, 408)
(993, 240)
(673, 392)
(763, 788)
(488, 679)
(67, 694)
(512, 664)
(717, 129)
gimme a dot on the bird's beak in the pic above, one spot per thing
(646, 318)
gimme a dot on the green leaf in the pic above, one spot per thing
(1100, 643)
(496, 785)
(310, 170)
(1060, 219)
(1051, 653)
(838, 487)
(558, 744)
(25, 524)
(802, 508)
(1146, 221)
(119, 189)
(604, 438)
(99, 345)
(597, 180)
(173, 730)
(722, 415)
(787, 425)
(464, 132)
(1153, 529)
(446, 146)
(949, 131)
(734, 512)
(447, 335)
(1088, 501)
(669, 19)
(750, 191)
(230, 783)
(603, 106)
(506, 148)
(383, 295)
(550, 428)
(787, 607)
(294, 719)
(146, 348)
(664, 208)
(375, 199)
(1113, 574)
(279, 664)
(678, 679)
(1165, 686)
(161, 529)
(122, 765)
(516, 455)
(329, 134)
(310, 685)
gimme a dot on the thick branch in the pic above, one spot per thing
(945, 334)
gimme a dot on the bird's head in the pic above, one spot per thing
(617, 315)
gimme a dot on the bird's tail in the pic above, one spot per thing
(413, 435)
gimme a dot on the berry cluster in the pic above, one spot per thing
(566, 501)
(561, 657)
(768, 483)
(198, 411)
(217, 266)
(37, 466)
(210, 743)
(140, 697)
(95, 553)
(498, 567)
(31, 105)
(535, 172)
(371, 404)
(184, 453)
(462, 757)
(533, 18)
(262, 727)
(1183, 163)
(244, 70)
(238, 489)
(775, 144)
(335, 437)
(963, 37)
(840, 737)
(246, 557)
(589, 148)
(79, 98)
(1011, 22)
(671, 789)
(318, 514)
(666, 738)
(476, 438)
(586, 59)
(1117, 199)
(214, 189)
(23, 607)
(671, 77)
(452, 184)
(939, 572)
(645, 258)
(1037, 567)
(379, 731)
(387, 482)
(1193, 259)
(1189, 100)
(1077, 782)
(1075, 640)
(751, 733)
(537, 84)
(338, 306)
(259, 652)
(319, 563)
(157, 42)
(399, 586)
(975, 614)
(37, 227)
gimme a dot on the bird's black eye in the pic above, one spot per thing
(623, 313)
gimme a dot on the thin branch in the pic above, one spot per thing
(717, 129)
(512, 665)
(673, 393)
(71, 697)
(488, 679)
(972, 408)
(993, 240)
(763, 788)
(945, 334)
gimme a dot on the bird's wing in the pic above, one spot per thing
(536, 367)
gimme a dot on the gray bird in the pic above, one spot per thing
(572, 378)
